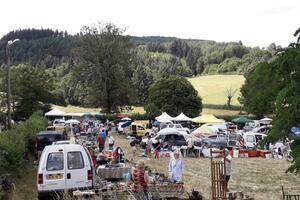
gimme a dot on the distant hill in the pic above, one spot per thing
(190, 57)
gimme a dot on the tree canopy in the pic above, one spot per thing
(104, 59)
(31, 90)
(173, 95)
(259, 90)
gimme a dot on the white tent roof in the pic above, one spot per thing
(182, 117)
(266, 119)
(72, 121)
(74, 114)
(165, 121)
(55, 112)
(164, 115)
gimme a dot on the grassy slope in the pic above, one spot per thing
(212, 88)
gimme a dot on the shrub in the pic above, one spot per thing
(16, 144)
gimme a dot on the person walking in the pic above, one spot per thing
(101, 142)
(190, 146)
(111, 142)
(149, 147)
(176, 167)
(140, 181)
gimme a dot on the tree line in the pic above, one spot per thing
(103, 67)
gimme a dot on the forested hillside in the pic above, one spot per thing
(56, 55)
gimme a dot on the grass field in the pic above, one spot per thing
(212, 88)
(258, 177)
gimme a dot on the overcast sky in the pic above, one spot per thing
(254, 22)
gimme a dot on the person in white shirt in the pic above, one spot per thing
(176, 167)
(111, 142)
(228, 161)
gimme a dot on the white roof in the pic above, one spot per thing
(74, 114)
(164, 115)
(55, 112)
(167, 131)
(165, 121)
(72, 121)
(266, 119)
(182, 117)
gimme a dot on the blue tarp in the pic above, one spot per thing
(295, 130)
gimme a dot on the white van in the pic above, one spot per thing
(252, 139)
(64, 167)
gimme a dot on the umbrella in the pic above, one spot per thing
(125, 119)
(241, 120)
(204, 130)
(72, 121)
(266, 119)
(167, 131)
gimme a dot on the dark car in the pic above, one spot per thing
(45, 138)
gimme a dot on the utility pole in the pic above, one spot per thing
(9, 43)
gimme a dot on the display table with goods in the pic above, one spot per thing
(114, 171)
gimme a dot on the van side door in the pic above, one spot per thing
(77, 168)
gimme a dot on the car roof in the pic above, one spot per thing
(49, 132)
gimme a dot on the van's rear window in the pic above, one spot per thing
(75, 160)
(55, 161)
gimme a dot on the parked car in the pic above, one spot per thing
(61, 142)
(136, 130)
(59, 122)
(177, 127)
(169, 134)
(44, 138)
(220, 140)
(252, 139)
(63, 168)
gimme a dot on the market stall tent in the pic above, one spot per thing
(241, 120)
(182, 117)
(207, 118)
(164, 115)
(55, 112)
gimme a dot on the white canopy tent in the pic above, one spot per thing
(165, 121)
(266, 119)
(182, 117)
(72, 121)
(164, 115)
(55, 112)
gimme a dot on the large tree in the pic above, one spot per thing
(173, 95)
(287, 112)
(31, 90)
(104, 58)
(260, 89)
